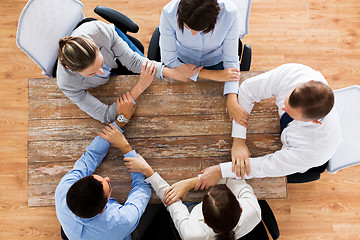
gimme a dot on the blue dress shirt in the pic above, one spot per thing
(117, 221)
(203, 49)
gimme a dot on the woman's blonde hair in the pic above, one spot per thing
(76, 53)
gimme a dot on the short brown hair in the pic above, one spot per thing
(221, 211)
(315, 99)
(77, 53)
(199, 15)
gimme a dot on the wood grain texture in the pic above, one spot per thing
(186, 131)
(318, 33)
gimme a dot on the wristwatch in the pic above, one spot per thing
(122, 118)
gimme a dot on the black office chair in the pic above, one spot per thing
(268, 221)
(154, 51)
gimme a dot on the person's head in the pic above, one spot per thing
(221, 211)
(309, 101)
(198, 15)
(88, 196)
(81, 55)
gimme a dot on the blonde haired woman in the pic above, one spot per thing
(86, 59)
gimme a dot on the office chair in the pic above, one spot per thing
(42, 23)
(268, 221)
(348, 154)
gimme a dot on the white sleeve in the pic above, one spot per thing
(178, 211)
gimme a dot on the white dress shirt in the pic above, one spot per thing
(305, 144)
(192, 226)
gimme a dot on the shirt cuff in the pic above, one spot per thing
(161, 71)
(238, 131)
(153, 178)
(122, 131)
(226, 170)
(231, 87)
(131, 154)
(195, 77)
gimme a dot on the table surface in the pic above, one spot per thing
(179, 128)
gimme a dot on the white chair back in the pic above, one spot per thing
(347, 101)
(244, 14)
(41, 24)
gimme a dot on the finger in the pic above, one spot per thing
(203, 186)
(113, 127)
(242, 168)
(247, 165)
(238, 167)
(168, 190)
(202, 171)
(144, 66)
(233, 161)
(198, 69)
(198, 184)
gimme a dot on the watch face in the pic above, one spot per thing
(122, 118)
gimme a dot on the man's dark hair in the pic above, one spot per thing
(315, 99)
(86, 197)
(199, 15)
(221, 211)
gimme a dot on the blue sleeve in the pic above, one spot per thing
(230, 53)
(137, 200)
(89, 161)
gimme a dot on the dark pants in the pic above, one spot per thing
(310, 175)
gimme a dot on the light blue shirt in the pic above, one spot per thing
(117, 221)
(203, 49)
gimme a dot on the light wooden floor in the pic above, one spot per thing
(323, 34)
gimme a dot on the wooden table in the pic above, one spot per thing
(180, 128)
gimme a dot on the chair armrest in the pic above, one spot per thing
(269, 219)
(121, 21)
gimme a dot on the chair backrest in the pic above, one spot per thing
(347, 104)
(41, 24)
(244, 14)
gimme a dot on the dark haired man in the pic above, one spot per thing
(82, 199)
(311, 129)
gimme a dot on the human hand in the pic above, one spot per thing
(228, 75)
(240, 157)
(139, 165)
(113, 135)
(124, 105)
(179, 190)
(147, 74)
(210, 177)
(182, 73)
(236, 111)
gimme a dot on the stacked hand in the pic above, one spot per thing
(139, 165)
(240, 157)
(179, 190)
(147, 74)
(182, 73)
(124, 105)
(236, 112)
(113, 135)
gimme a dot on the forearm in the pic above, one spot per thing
(209, 74)
(136, 91)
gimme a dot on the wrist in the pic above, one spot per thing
(136, 91)
(168, 72)
(148, 172)
(120, 124)
(192, 182)
(232, 98)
